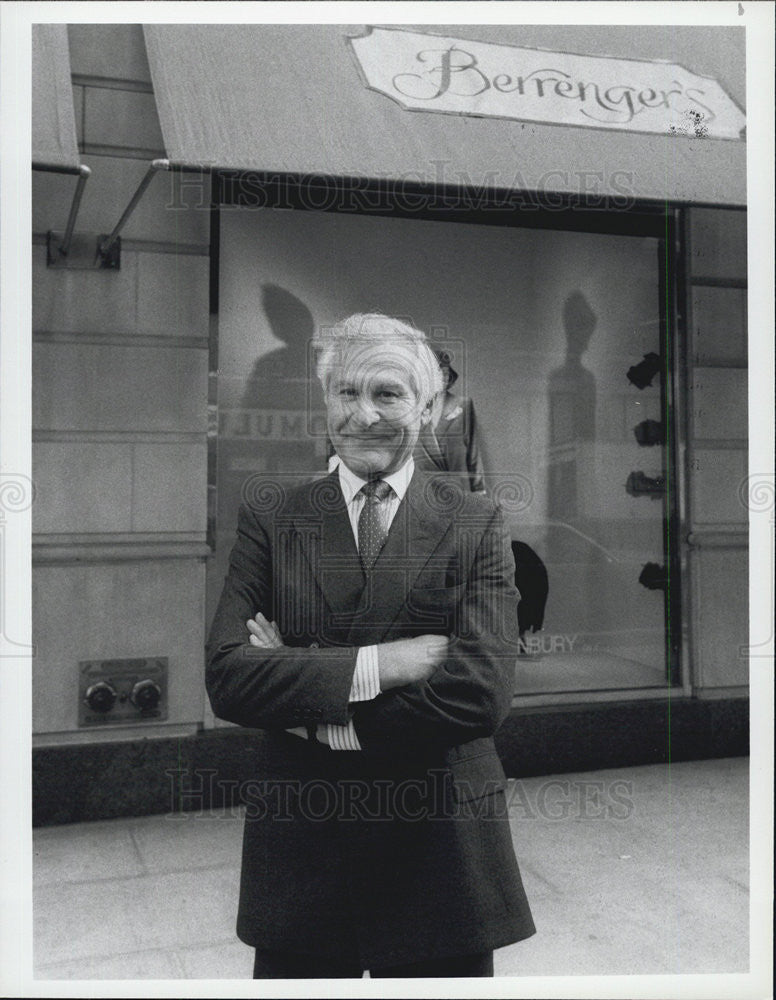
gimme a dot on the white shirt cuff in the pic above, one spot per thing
(366, 676)
(364, 687)
(342, 737)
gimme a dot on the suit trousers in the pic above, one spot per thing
(285, 965)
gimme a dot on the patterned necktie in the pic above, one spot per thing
(372, 532)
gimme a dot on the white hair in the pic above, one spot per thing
(374, 330)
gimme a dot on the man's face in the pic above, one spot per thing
(373, 412)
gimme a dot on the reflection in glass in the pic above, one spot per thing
(547, 326)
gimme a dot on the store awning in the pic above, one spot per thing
(292, 99)
(54, 143)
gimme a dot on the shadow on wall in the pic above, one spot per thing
(276, 433)
(292, 322)
(276, 428)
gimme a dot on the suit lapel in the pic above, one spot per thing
(415, 533)
(327, 541)
(369, 602)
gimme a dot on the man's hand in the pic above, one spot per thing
(409, 661)
(405, 661)
(263, 633)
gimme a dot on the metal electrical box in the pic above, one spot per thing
(122, 691)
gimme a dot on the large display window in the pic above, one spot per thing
(558, 338)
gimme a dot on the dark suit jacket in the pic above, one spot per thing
(401, 851)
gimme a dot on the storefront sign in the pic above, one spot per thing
(271, 425)
(457, 76)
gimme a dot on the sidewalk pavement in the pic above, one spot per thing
(634, 870)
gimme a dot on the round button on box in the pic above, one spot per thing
(100, 697)
(146, 695)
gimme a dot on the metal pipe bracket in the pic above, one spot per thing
(84, 252)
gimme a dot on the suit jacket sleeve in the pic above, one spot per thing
(268, 688)
(469, 696)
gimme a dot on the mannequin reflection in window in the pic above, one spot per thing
(572, 394)
(576, 496)
(448, 443)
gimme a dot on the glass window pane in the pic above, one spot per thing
(555, 338)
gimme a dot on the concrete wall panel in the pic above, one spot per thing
(78, 107)
(718, 243)
(119, 424)
(81, 487)
(719, 324)
(717, 384)
(154, 294)
(719, 403)
(723, 617)
(115, 51)
(169, 488)
(174, 299)
(89, 386)
(75, 301)
(717, 477)
(113, 611)
(125, 118)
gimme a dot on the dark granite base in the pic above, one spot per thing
(137, 778)
(621, 734)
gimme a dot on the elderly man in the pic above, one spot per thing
(368, 626)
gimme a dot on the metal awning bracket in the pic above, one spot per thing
(94, 251)
(59, 245)
(108, 243)
(83, 252)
